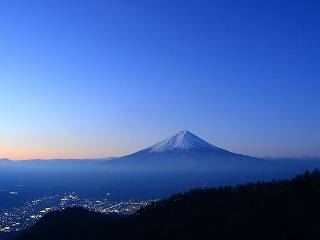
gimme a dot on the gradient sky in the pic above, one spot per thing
(93, 78)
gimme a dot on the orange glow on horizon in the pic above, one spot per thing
(27, 156)
(21, 155)
(54, 149)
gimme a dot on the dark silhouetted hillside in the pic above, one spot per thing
(272, 210)
(71, 223)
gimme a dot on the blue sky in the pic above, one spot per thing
(97, 78)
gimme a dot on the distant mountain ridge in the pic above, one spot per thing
(181, 152)
(72, 160)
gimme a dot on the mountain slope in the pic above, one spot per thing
(184, 150)
(71, 223)
(274, 210)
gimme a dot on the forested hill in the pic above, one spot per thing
(273, 210)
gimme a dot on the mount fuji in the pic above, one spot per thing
(185, 150)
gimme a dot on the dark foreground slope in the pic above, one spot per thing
(72, 223)
(274, 210)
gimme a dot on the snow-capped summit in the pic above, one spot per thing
(181, 141)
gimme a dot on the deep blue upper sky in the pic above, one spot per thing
(96, 78)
